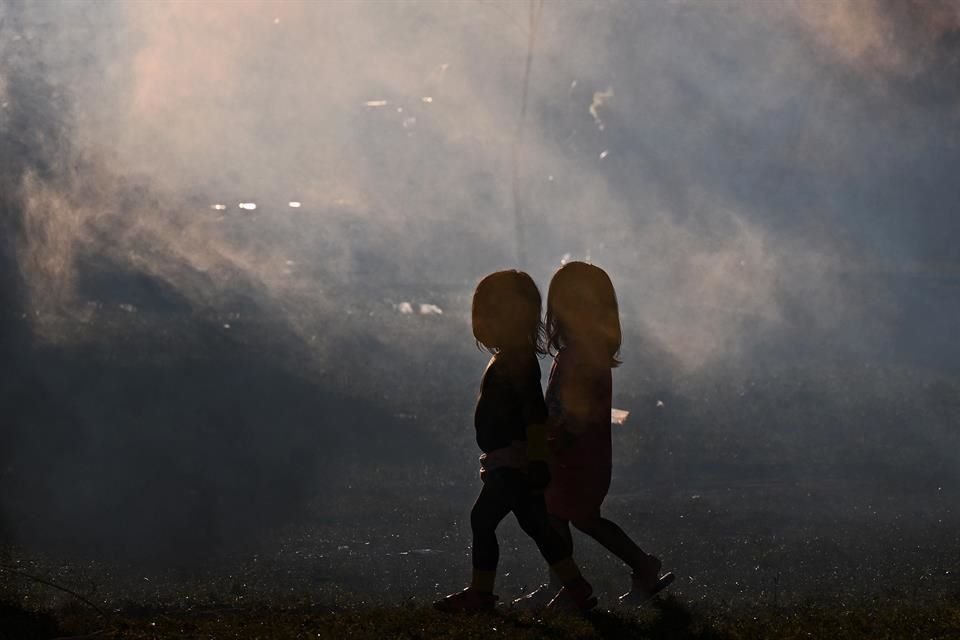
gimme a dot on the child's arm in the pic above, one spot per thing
(569, 414)
(535, 419)
(538, 472)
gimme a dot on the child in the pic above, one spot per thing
(583, 330)
(510, 422)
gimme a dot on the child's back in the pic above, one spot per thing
(511, 399)
(579, 396)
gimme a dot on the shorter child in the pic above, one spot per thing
(510, 419)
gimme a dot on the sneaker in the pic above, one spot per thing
(536, 600)
(467, 601)
(574, 598)
(646, 583)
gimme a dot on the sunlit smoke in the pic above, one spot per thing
(379, 117)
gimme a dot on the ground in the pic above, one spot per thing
(265, 495)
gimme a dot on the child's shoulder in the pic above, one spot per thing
(515, 366)
(582, 358)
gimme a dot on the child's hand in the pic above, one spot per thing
(562, 441)
(538, 475)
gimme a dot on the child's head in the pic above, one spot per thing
(582, 309)
(506, 313)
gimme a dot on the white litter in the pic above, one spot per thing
(404, 307)
(599, 99)
(618, 416)
(294, 204)
(430, 310)
(218, 207)
(376, 103)
(249, 206)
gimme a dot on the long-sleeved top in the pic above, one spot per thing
(511, 400)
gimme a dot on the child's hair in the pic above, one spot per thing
(581, 302)
(506, 312)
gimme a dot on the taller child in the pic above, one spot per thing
(583, 331)
(510, 421)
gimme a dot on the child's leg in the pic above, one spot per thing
(531, 513)
(615, 540)
(646, 580)
(491, 507)
(563, 528)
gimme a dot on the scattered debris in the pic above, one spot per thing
(427, 99)
(129, 308)
(599, 99)
(618, 416)
(423, 309)
(376, 103)
(604, 154)
(249, 206)
(218, 207)
(293, 204)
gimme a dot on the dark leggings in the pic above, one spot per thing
(506, 490)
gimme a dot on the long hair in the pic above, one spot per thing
(582, 307)
(506, 313)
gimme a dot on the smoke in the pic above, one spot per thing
(899, 39)
(683, 152)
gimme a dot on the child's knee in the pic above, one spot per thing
(480, 521)
(585, 525)
(532, 528)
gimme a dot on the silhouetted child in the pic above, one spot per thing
(510, 421)
(583, 331)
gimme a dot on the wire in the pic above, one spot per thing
(76, 595)
(535, 10)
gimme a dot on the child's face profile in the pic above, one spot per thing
(582, 308)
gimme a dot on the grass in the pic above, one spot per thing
(666, 618)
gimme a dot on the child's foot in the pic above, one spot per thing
(467, 601)
(646, 582)
(573, 598)
(537, 599)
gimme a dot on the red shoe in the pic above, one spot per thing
(574, 598)
(467, 601)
